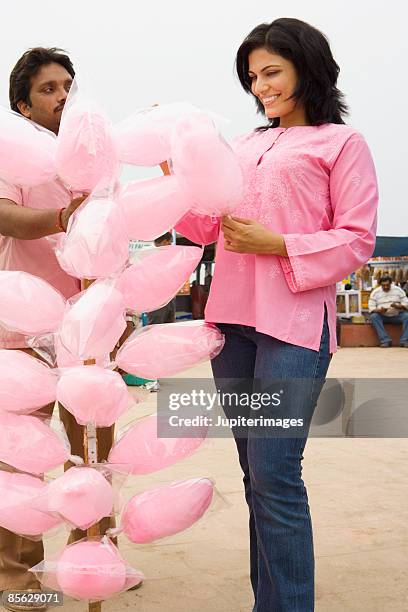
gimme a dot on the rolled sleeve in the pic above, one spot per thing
(325, 257)
(10, 192)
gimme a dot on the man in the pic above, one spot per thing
(388, 304)
(39, 85)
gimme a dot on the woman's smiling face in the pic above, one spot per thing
(273, 81)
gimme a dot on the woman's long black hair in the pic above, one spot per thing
(309, 51)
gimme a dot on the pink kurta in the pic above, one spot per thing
(317, 186)
(34, 256)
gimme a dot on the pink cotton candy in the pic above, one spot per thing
(27, 152)
(26, 383)
(93, 395)
(91, 570)
(166, 510)
(160, 351)
(17, 491)
(82, 496)
(152, 207)
(144, 138)
(155, 279)
(141, 451)
(92, 326)
(206, 166)
(96, 244)
(29, 445)
(66, 360)
(21, 295)
(86, 153)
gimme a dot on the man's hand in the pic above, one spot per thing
(70, 209)
(248, 236)
(381, 310)
(398, 306)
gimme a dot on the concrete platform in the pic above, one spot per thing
(364, 334)
(358, 495)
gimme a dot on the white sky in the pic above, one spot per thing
(139, 53)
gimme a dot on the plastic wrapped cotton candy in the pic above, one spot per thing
(82, 496)
(206, 166)
(141, 451)
(65, 359)
(155, 279)
(29, 445)
(96, 244)
(27, 152)
(17, 491)
(90, 570)
(19, 292)
(93, 395)
(160, 351)
(94, 323)
(86, 153)
(166, 510)
(152, 207)
(144, 138)
(26, 383)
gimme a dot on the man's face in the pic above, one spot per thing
(386, 285)
(48, 93)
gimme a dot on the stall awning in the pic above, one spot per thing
(390, 246)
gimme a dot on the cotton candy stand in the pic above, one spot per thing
(90, 458)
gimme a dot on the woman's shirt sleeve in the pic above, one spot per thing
(325, 257)
(199, 228)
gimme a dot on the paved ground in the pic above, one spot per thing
(358, 495)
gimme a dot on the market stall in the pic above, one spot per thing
(390, 257)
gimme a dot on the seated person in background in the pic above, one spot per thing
(388, 303)
(166, 314)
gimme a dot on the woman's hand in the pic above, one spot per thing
(247, 236)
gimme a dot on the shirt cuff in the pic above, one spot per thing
(292, 266)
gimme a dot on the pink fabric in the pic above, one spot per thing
(317, 186)
(35, 256)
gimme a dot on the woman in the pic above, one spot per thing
(308, 219)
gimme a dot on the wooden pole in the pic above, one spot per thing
(90, 458)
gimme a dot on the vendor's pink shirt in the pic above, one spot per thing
(34, 256)
(317, 186)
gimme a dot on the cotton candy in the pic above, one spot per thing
(166, 510)
(29, 445)
(21, 294)
(92, 326)
(96, 244)
(82, 496)
(27, 152)
(206, 166)
(144, 138)
(141, 451)
(17, 492)
(160, 351)
(91, 570)
(156, 277)
(26, 383)
(86, 155)
(152, 207)
(93, 395)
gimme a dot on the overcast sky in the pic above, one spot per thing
(139, 53)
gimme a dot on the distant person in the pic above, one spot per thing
(388, 303)
(166, 314)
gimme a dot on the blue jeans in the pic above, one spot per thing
(281, 541)
(377, 320)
